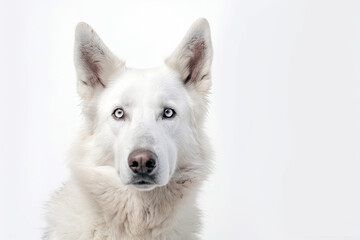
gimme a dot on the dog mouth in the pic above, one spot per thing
(143, 183)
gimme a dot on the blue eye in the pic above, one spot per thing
(168, 113)
(118, 113)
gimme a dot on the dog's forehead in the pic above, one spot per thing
(154, 83)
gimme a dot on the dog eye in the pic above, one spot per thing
(118, 113)
(168, 113)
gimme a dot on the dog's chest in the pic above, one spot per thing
(135, 220)
(153, 219)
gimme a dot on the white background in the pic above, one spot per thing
(285, 115)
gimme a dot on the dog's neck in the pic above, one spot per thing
(132, 212)
(127, 210)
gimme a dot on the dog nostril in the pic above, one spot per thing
(150, 165)
(134, 164)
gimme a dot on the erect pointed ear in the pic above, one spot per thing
(94, 62)
(192, 58)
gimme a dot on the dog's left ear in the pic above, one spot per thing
(193, 57)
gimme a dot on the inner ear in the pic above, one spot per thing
(192, 58)
(196, 62)
(93, 65)
(94, 62)
(187, 79)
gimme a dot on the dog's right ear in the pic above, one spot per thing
(94, 62)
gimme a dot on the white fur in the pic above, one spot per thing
(99, 201)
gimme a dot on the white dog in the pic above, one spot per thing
(142, 155)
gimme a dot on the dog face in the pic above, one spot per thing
(145, 114)
(143, 118)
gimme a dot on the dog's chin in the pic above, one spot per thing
(144, 186)
(141, 184)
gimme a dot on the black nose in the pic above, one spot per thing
(142, 161)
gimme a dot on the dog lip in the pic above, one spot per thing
(143, 184)
(142, 180)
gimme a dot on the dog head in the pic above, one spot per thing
(145, 119)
